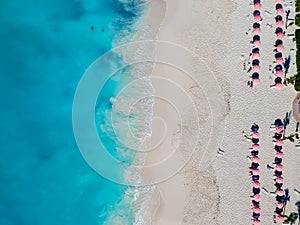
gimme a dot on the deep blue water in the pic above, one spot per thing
(45, 48)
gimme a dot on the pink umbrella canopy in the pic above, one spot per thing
(280, 48)
(255, 147)
(257, 198)
(280, 36)
(255, 159)
(279, 1)
(280, 218)
(279, 155)
(256, 55)
(256, 184)
(256, 209)
(279, 60)
(279, 142)
(257, 18)
(256, 68)
(280, 192)
(279, 86)
(257, 31)
(280, 205)
(280, 11)
(256, 81)
(255, 135)
(279, 167)
(257, 6)
(279, 73)
(279, 130)
(256, 222)
(280, 23)
(257, 43)
(279, 180)
(255, 172)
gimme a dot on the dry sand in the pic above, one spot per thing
(214, 189)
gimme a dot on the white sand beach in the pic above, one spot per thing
(213, 189)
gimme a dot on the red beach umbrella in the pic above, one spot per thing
(280, 192)
(256, 184)
(280, 205)
(255, 172)
(256, 68)
(257, 43)
(280, 36)
(257, 6)
(255, 135)
(256, 147)
(280, 11)
(257, 18)
(279, 180)
(279, 60)
(256, 55)
(279, 86)
(280, 23)
(256, 222)
(279, 167)
(279, 155)
(280, 218)
(280, 48)
(257, 198)
(256, 81)
(257, 31)
(255, 159)
(279, 73)
(279, 142)
(279, 130)
(256, 210)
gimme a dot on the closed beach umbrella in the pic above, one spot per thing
(278, 18)
(278, 42)
(278, 123)
(279, 129)
(256, 68)
(256, 55)
(280, 192)
(278, 80)
(257, 18)
(256, 25)
(279, 73)
(255, 50)
(255, 62)
(257, 43)
(256, 184)
(279, 142)
(255, 140)
(256, 147)
(280, 48)
(256, 222)
(256, 81)
(280, 23)
(255, 135)
(278, 6)
(279, 60)
(280, 205)
(255, 76)
(279, 167)
(279, 155)
(254, 128)
(280, 35)
(257, 198)
(279, 180)
(255, 159)
(278, 30)
(280, 218)
(257, 6)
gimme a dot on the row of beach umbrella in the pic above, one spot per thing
(255, 172)
(256, 43)
(278, 168)
(279, 61)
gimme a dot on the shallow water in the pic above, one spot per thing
(45, 48)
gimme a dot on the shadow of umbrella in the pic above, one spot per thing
(286, 64)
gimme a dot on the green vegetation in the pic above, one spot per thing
(297, 5)
(297, 80)
(297, 20)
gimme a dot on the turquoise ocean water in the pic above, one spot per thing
(45, 48)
